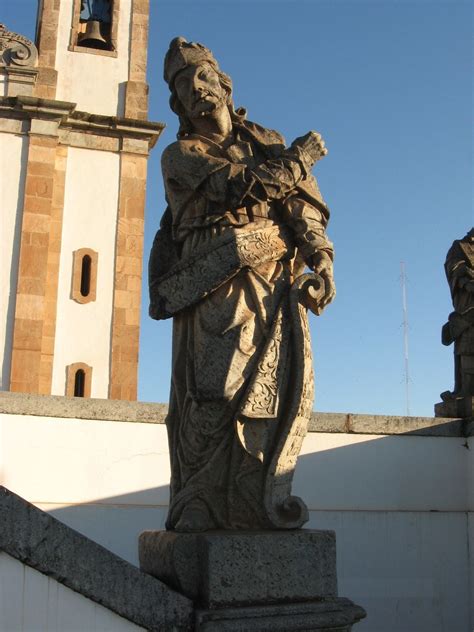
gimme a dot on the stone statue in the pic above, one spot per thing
(244, 219)
(459, 329)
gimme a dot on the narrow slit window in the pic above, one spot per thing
(79, 383)
(78, 380)
(84, 275)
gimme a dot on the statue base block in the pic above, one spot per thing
(249, 580)
(459, 407)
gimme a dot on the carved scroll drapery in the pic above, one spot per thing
(285, 511)
(16, 50)
(262, 398)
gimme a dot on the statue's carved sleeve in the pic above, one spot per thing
(308, 223)
(458, 270)
(186, 166)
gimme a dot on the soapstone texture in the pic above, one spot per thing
(459, 329)
(332, 615)
(219, 569)
(223, 265)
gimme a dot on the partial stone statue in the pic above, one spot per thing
(459, 329)
(18, 63)
(245, 217)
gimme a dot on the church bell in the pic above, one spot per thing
(93, 38)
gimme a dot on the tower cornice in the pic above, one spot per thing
(68, 118)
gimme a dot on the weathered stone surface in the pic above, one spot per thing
(265, 581)
(79, 408)
(459, 329)
(145, 412)
(18, 63)
(128, 252)
(100, 126)
(241, 204)
(386, 425)
(229, 568)
(329, 615)
(16, 50)
(42, 542)
(456, 407)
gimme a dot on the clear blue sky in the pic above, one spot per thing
(389, 86)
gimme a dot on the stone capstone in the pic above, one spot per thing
(146, 412)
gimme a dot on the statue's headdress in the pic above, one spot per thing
(181, 54)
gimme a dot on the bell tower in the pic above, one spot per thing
(75, 129)
(94, 53)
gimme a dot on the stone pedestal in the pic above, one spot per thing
(459, 407)
(253, 581)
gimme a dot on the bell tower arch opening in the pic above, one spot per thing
(95, 21)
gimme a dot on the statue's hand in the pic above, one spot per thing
(321, 263)
(312, 144)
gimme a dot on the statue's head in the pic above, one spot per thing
(470, 235)
(197, 84)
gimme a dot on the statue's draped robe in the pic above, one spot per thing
(459, 268)
(234, 363)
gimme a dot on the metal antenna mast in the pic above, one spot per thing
(403, 279)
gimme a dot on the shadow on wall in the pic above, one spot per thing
(398, 505)
(6, 364)
(116, 522)
(395, 473)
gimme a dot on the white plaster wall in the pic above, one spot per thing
(470, 534)
(376, 472)
(13, 159)
(469, 444)
(76, 461)
(409, 570)
(127, 463)
(83, 331)
(398, 505)
(3, 85)
(33, 602)
(93, 82)
(470, 544)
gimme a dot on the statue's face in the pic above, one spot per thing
(199, 90)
